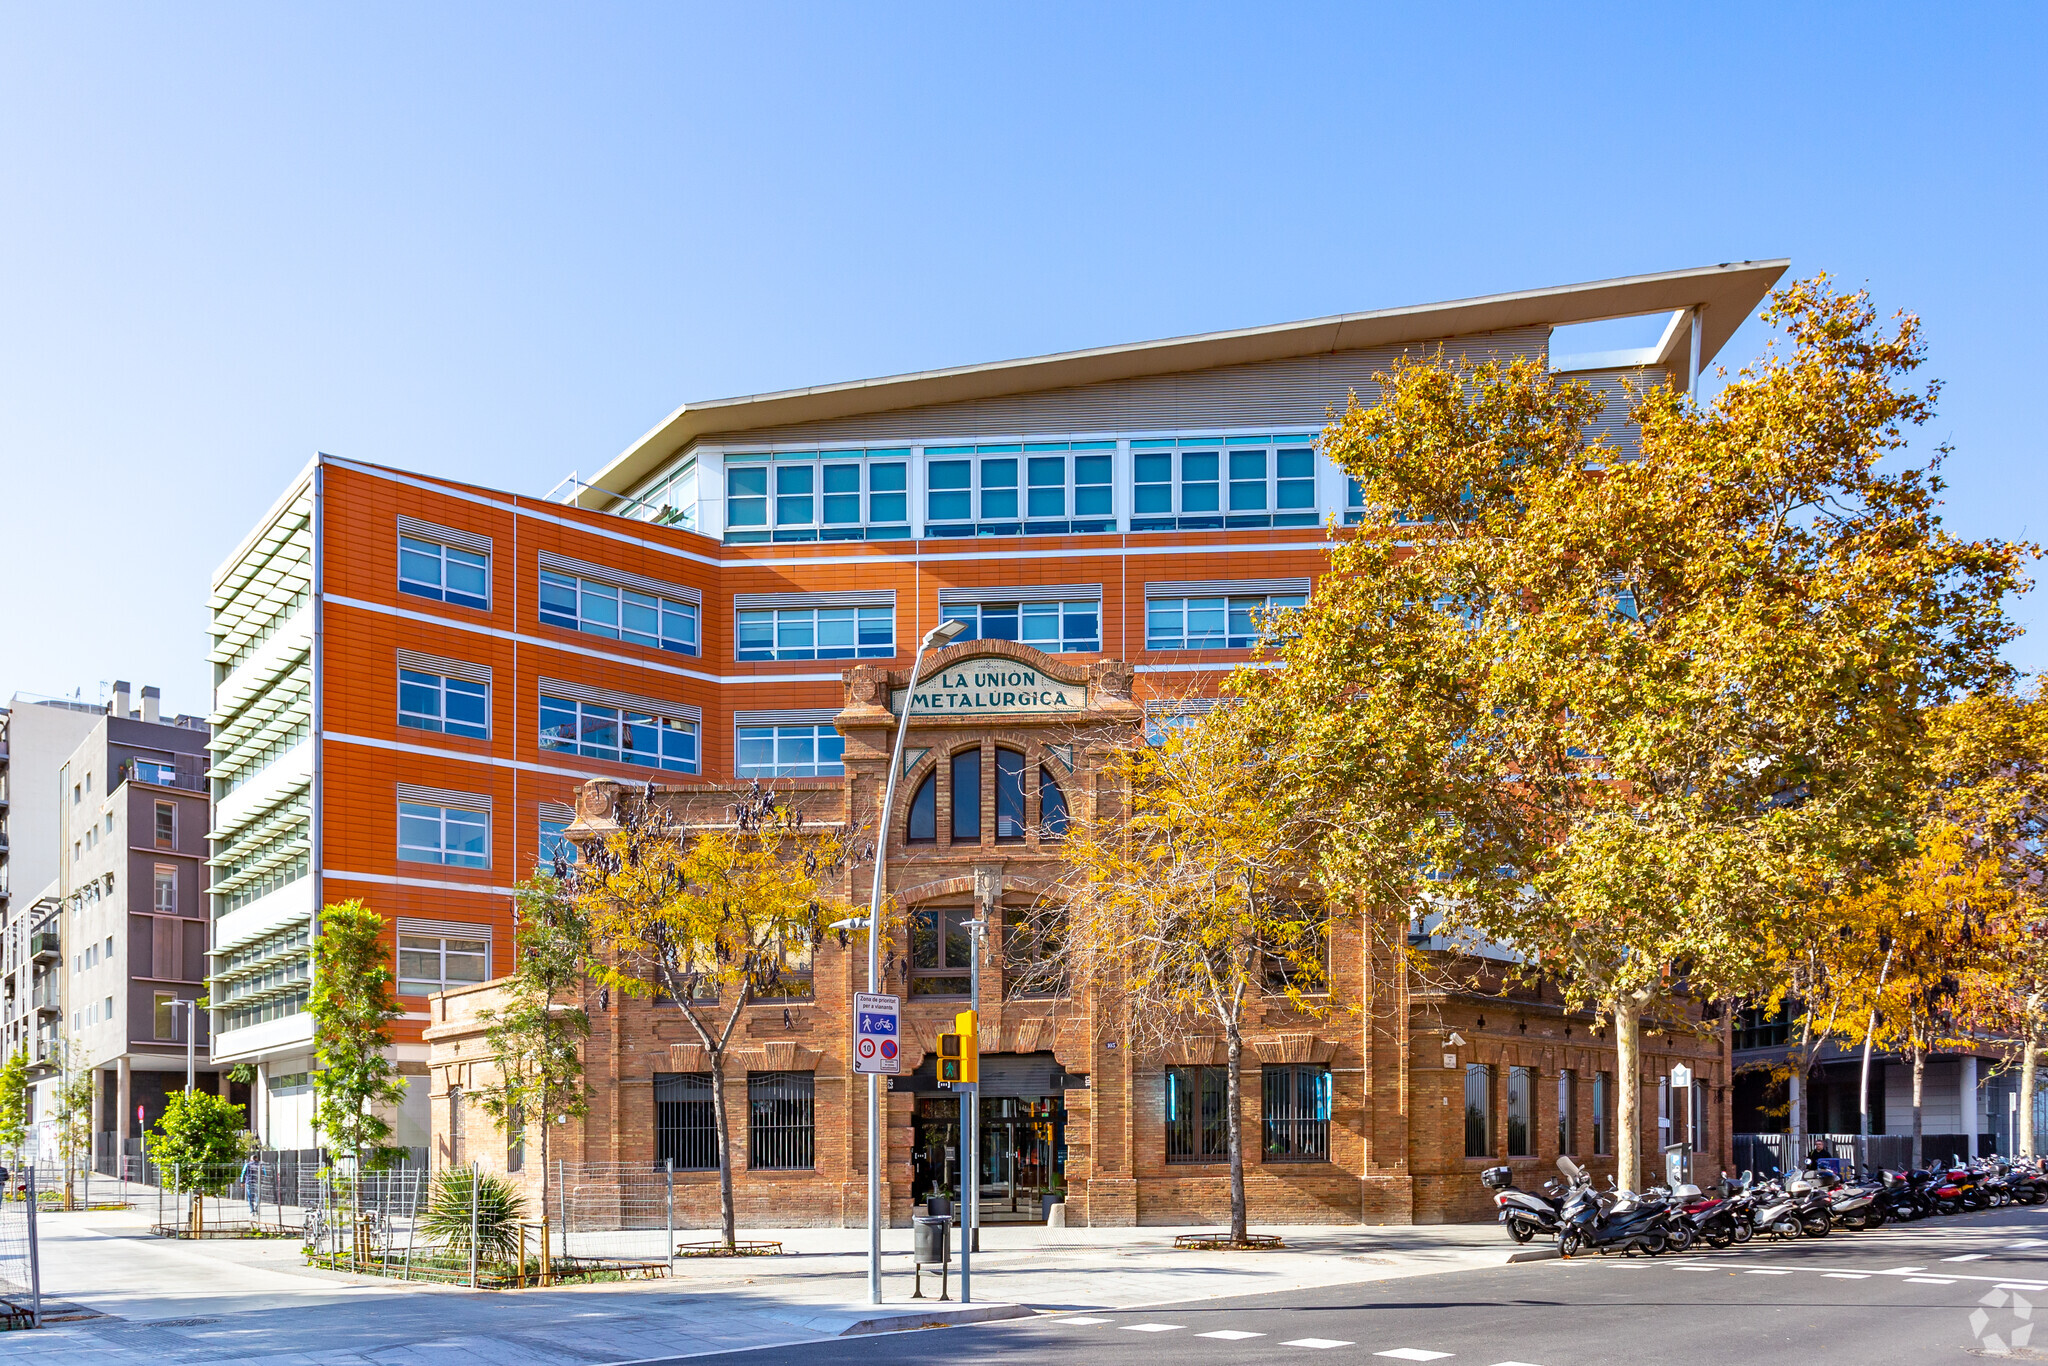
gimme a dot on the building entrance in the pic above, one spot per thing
(1023, 1140)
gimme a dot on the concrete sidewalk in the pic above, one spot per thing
(153, 1300)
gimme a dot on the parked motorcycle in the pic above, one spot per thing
(1618, 1221)
(1523, 1214)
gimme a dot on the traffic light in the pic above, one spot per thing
(960, 1052)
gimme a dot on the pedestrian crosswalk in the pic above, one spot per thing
(1248, 1335)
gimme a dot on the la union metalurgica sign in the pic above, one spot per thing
(992, 686)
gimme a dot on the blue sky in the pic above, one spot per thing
(499, 242)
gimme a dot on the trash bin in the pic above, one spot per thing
(939, 1205)
(932, 1240)
(1046, 1204)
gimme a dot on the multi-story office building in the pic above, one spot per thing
(415, 676)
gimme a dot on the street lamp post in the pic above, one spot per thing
(937, 637)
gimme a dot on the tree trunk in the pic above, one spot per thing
(547, 1233)
(1628, 1022)
(1919, 1069)
(1235, 1048)
(1795, 1115)
(728, 1225)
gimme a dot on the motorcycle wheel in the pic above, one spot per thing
(1744, 1230)
(1815, 1225)
(1519, 1231)
(1874, 1219)
(1719, 1239)
(1681, 1239)
(1655, 1243)
(1567, 1243)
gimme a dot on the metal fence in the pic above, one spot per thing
(1765, 1153)
(619, 1212)
(21, 1293)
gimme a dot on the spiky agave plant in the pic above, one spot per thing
(494, 1223)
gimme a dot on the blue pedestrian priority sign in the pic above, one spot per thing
(875, 1048)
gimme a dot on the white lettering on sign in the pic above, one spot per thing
(990, 687)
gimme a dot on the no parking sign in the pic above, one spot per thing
(874, 1034)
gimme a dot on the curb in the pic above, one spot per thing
(936, 1317)
(1533, 1254)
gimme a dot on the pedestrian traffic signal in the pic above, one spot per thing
(960, 1052)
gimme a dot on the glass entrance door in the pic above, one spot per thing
(1023, 1156)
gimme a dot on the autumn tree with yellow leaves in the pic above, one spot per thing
(1188, 902)
(1619, 713)
(709, 918)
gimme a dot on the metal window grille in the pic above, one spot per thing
(782, 1132)
(1297, 1113)
(685, 1127)
(1478, 1110)
(1521, 1101)
(1197, 1114)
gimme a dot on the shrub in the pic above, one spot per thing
(498, 1208)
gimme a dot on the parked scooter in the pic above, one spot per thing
(1721, 1219)
(1618, 1221)
(1523, 1214)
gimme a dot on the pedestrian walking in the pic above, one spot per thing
(252, 1182)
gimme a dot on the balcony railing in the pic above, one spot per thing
(45, 944)
(45, 997)
(187, 776)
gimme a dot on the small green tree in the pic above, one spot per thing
(14, 1102)
(200, 1136)
(352, 1008)
(536, 1036)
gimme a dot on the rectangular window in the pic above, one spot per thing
(166, 825)
(428, 963)
(789, 752)
(1478, 1110)
(164, 1018)
(1354, 502)
(153, 771)
(1197, 1114)
(622, 735)
(443, 834)
(1041, 488)
(940, 951)
(1521, 1105)
(629, 614)
(454, 706)
(818, 496)
(817, 633)
(1211, 483)
(445, 573)
(1603, 1114)
(1297, 1113)
(1567, 1113)
(781, 1122)
(165, 900)
(685, 1126)
(1054, 627)
(1233, 623)
(555, 842)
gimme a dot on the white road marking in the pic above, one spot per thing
(1928, 1280)
(1766, 1273)
(1332, 1342)
(2028, 1242)
(2022, 1285)
(1153, 1327)
(1968, 1257)
(1399, 1353)
(1230, 1334)
(1080, 1319)
(1846, 1275)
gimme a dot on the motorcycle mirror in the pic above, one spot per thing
(1570, 1168)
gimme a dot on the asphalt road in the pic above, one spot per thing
(1947, 1290)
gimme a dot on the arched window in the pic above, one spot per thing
(924, 811)
(1009, 797)
(1052, 806)
(967, 797)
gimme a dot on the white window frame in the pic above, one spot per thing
(973, 612)
(816, 733)
(442, 684)
(858, 615)
(441, 939)
(1180, 517)
(166, 874)
(774, 527)
(1022, 522)
(593, 712)
(1257, 604)
(443, 818)
(592, 589)
(415, 543)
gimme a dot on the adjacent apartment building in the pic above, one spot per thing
(106, 817)
(414, 678)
